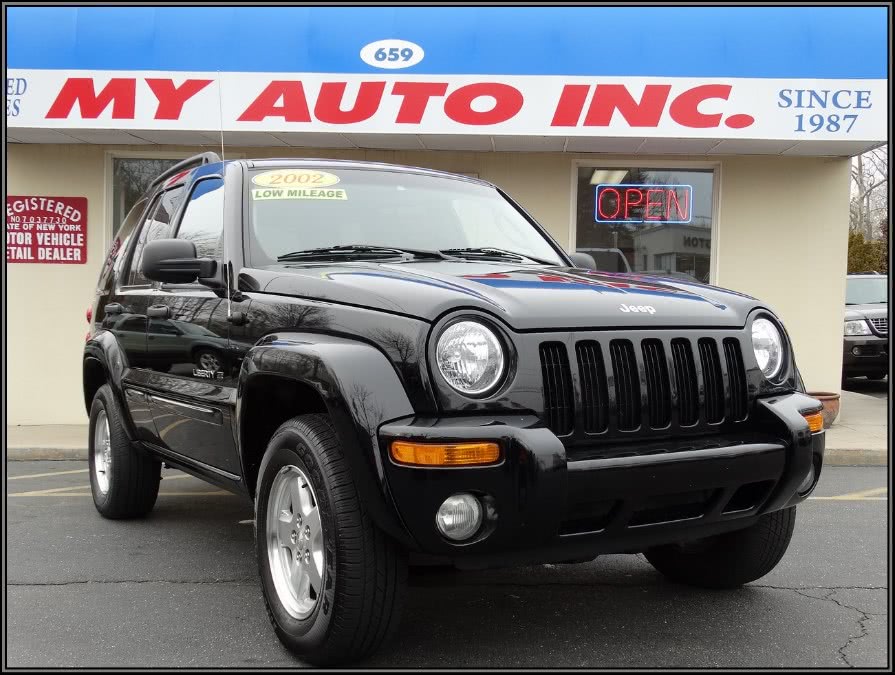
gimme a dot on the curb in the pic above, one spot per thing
(832, 456)
(856, 457)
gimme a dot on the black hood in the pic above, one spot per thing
(526, 297)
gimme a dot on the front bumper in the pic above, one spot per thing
(542, 506)
(872, 354)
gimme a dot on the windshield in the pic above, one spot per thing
(300, 209)
(867, 290)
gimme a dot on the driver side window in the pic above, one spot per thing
(203, 220)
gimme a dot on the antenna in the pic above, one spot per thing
(224, 256)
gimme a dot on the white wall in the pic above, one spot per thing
(782, 237)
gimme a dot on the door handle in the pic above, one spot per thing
(158, 312)
(113, 308)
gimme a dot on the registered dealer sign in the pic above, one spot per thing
(49, 230)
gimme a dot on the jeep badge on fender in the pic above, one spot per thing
(416, 382)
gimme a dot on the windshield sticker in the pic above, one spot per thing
(295, 178)
(298, 193)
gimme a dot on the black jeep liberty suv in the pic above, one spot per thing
(400, 363)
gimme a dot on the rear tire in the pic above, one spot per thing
(730, 559)
(124, 481)
(354, 596)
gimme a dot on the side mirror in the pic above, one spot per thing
(583, 260)
(174, 261)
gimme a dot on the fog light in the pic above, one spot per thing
(809, 480)
(856, 351)
(459, 517)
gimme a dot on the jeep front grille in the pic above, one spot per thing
(881, 325)
(648, 384)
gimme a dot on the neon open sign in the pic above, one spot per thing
(630, 203)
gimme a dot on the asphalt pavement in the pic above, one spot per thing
(180, 589)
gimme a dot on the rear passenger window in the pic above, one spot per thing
(158, 225)
(115, 258)
(203, 219)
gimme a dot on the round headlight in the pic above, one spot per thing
(470, 357)
(768, 346)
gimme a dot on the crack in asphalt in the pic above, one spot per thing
(861, 622)
(820, 588)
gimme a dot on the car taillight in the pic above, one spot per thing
(89, 314)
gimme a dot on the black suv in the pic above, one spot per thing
(865, 348)
(407, 366)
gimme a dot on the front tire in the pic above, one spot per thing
(333, 583)
(208, 359)
(730, 559)
(123, 480)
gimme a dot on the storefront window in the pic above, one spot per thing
(652, 221)
(130, 179)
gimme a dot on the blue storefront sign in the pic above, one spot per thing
(801, 73)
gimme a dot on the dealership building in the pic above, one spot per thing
(703, 143)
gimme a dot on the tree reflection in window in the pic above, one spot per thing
(203, 220)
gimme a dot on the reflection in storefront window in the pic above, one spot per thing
(653, 221)
(130, 179)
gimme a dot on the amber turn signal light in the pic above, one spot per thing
(815, 421)
(445, 454)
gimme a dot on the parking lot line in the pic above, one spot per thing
(50, 473)
(872, 492)
(870, 495)
(850, 499)
(46, 493)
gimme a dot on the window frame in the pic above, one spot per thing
(632, 161)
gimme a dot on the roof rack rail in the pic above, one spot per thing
(195, 160)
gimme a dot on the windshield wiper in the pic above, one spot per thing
(327, 252)
(491, 252)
